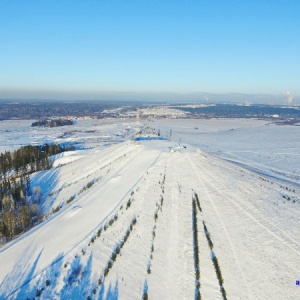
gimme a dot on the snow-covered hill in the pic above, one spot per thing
(136, 220)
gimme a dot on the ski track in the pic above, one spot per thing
(249, 295)
(284, 238)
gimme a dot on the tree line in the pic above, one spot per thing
(29, 159)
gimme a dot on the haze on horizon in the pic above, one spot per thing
(160, 51)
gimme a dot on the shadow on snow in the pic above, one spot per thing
(112, 293)
(47, 181)
(77, 282)
(17, 280)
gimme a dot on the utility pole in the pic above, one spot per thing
(170, 136)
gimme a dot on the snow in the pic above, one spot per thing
(260, 145)
(240, 170)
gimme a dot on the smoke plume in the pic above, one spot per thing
(289, 98)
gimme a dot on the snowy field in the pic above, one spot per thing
(258, 145)
(84, 133)
(133, 231)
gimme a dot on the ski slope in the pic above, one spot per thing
(132, 232)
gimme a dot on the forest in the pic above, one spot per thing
(19, 203)
(52, 123)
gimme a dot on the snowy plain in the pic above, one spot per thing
(240, 169)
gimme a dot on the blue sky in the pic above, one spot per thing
(96, 49)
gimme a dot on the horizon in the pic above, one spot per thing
(167, 98)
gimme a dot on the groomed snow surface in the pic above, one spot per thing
(130, 229)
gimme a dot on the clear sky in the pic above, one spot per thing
(91, 49)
